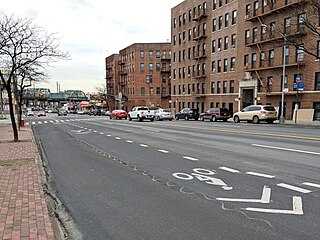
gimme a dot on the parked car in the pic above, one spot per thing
(62, 112)
(187, 113)
(30, 113)
(41, 114)
(214, 114)
(119, 114)
(256, 113)
(95, 112)
(141, 113)
(105, 112)
(163, 114)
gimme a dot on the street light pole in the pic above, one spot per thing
(282, 120)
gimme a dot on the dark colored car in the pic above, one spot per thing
(187, 113)
(214, 114)
(62, 112)
(95, 112)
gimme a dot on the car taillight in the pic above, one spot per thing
(141, 113)
(263, 112)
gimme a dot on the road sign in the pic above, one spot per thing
(298, 78)
(300, 86)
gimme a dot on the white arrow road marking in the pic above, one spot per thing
(163, 151)
(190, 158)
(311, 184)
(260, 174)
(229, 169)
(265, 197)
(296, 208)
(286, 149)
(294, 188)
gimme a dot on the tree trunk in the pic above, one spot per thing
(13, 121)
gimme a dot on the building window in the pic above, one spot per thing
(151, 90)
(213, 66)
(263, 33)
(214, 24)
(300, 53)
(318, 49)
(226, 42)
(150, 67)
(301, 21)
(150, 55)
(247, 36)
(219, 44)
(158, 90)
(254, 35)
(213, 46)
(220, 3)
(174, 23)
(224, 89)
(220, 23)
(174, 39)
(212, 86)
(248, 9)
(317, 82)
(246, 60)
(225, 65)
(157, 54)
(285, 81)
(214, 4)
(231, 86)
(149, 79)
(218, 87)
(255, 8)
(157, 66)
(233, 64)
(141, 67)
(142, 91)
(287, 25)
(262, 58)
(234, 17)
(271, 57)
(233, 40)
(226, 20)
(142, 54)
(253, 60)
(286, 53)
(219, 66)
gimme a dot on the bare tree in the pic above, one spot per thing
(23, 47)
(308, 22)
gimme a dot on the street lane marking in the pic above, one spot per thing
(45, 122)
(39, 122)
(286, 149)
(296, 208)
(294, 188)
(101, 133)
(311, 184)
(95, 131)
(265, 197)
(163, 151)
(129, 141)
(51, 121)
(229, 169)
(118, 138)
(108, 135)
(260, 175)
(144, 145)
(190, 158)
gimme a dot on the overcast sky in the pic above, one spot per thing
(91, 30)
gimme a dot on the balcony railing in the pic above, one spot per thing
(267, 64)
(199, 15)
(199, 54)
(199, 35)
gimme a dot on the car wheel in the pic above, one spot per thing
(225, 120)
(157, 118)
(130, 119)
(177, 118)
(186, 118)
(140, 119)
(255, 119)
(236, 119)
(201, 119)
(151, 119)
(214, 118)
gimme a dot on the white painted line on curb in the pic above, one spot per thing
(287, 149)
(260, 174)
(229, 169)
(311, 184)
(190, 158)
(144, 145)
(163, 151)
(296, 208)
(265, 197)
(293, 188)
(129, 141)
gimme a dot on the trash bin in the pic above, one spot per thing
(22, 122)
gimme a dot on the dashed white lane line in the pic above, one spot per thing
(45, 122)
(229, 169)
(33, 123)
(51, 121)
(144, 145)
(108, 135)
(311, 184)
(190, 158)
(293, 188)
(260, 175)
(27, 123)
(163, 151)
(118, 138)
(265, 197)
(286, 149)
(39, 122)
(101, 133)
(95, 131)
(129, 141)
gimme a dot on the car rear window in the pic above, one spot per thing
(269, 108)
(143, 109)
(225, 110)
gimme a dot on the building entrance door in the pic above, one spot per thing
(247, 97)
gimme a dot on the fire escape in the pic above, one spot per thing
(271, 35)
(199, 51)
(166, 71)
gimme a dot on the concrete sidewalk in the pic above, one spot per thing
(23, 208)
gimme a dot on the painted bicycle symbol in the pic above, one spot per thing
(203, 175)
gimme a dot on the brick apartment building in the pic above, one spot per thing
(229, 53)
(141, 74)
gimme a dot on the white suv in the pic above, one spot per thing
(256, 113)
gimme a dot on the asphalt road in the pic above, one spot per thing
(184, 179)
